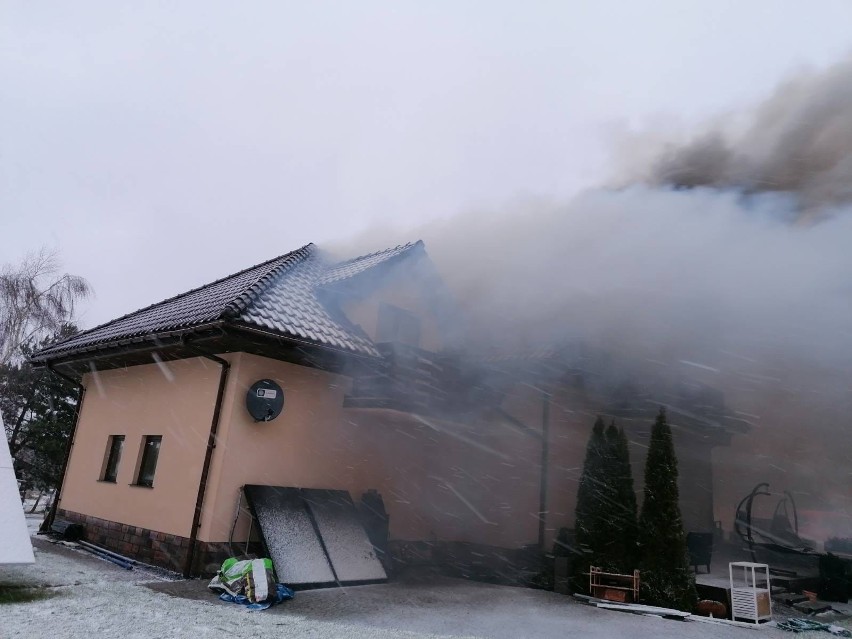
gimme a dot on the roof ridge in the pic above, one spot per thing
(354, 267)
(398, 247)
(251, 292)
(175, 297)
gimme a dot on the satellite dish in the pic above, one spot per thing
(264, 400)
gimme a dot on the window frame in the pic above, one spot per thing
(112, 458)
(145, 460)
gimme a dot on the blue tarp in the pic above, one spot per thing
(282, 593)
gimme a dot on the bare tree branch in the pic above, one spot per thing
(36, 299)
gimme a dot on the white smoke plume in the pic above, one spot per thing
(716, 266)
(725, 257)
(700, 272)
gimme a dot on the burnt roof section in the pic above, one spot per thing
(279, 296)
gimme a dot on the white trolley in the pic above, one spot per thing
(750, 600)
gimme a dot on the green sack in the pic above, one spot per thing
(251, 578)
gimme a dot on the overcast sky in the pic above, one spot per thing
(158, 146)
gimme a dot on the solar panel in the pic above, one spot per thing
(314, 536)
(346, 542)
(289, 535)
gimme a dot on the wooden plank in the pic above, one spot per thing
(726, 622)
(589, 599)
(641, 609)
(609, 574)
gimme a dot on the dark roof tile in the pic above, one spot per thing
(279, 295)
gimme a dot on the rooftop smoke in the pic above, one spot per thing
(725, 264)
(798, 141)
(725, 257)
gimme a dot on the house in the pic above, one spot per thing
(467, 452)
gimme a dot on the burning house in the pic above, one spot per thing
(367, 385)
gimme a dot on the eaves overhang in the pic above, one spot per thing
(211, 338)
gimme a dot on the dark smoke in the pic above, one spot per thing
(798, 142)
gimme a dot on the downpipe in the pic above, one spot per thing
(205, 470)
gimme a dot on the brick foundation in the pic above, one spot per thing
(153, 547)
(149, 546)
(470, 561)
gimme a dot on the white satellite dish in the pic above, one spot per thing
(16, 547)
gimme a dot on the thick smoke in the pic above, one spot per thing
(653, 265)
(721, 280)
(799, 142)
(693, 273)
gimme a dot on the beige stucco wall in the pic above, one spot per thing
(307, 445)
(459, 482)
(175, 400)
(453, 481)
(476, 481)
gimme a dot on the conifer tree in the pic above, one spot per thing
(39, 409)
(666, 578)
(622, 530)
(588, 522)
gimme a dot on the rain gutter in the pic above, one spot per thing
(544, 437)
(545, 454)
(205, 469)
(130, 346)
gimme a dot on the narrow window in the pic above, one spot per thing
(148, 465)
(113, 457)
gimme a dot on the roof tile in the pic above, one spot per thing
(279, 295)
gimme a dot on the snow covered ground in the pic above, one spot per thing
(93, 598)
